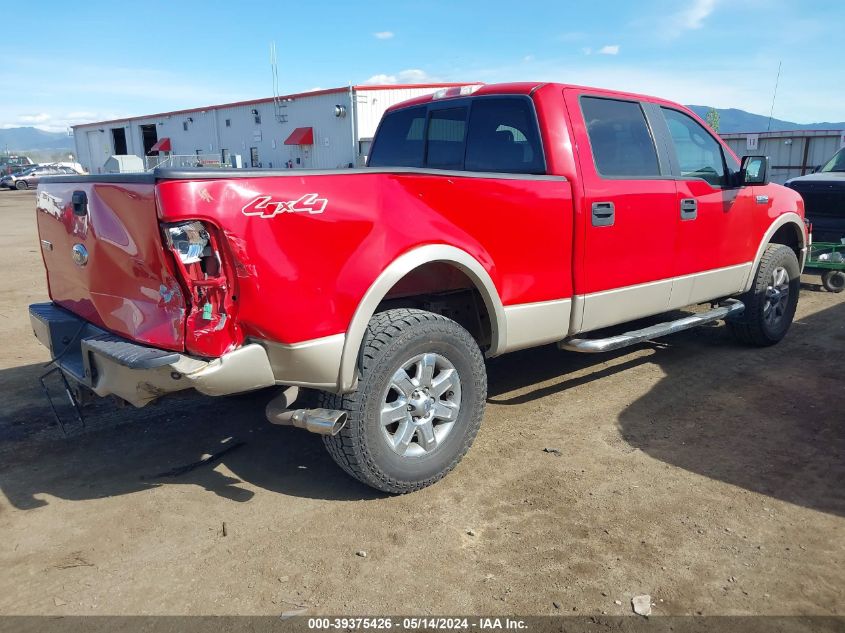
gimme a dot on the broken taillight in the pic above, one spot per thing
(210, 326)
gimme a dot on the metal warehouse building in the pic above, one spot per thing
(791, 154)
(323, 129)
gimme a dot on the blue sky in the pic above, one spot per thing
(66, 62)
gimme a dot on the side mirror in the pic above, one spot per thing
(754, 170)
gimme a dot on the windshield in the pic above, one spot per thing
(837, 163)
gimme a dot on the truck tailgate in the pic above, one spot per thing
(106, 262)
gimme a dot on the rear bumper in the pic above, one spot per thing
(110, 365)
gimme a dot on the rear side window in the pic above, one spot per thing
(620, 138)
(446, 133)
(699, 154)
(399, 142)
(503, 137)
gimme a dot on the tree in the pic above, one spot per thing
(712, 118)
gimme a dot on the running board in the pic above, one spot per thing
(731, 307)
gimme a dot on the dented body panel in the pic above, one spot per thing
(128, 284)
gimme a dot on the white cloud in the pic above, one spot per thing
(690, 18)
(528, 58)
(34, 118)
(407, 76)
(609, 49)
(383, 35)
(587, 50)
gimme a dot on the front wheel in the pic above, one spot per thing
(20, 185)
(419, 402)
(833, 280)
(771, 302)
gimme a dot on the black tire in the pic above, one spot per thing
(363, 448)
(753, 327)
(21, 185)
(833, 280)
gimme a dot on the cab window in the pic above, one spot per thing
(699, 154)
(445, 138)
(399, 142)
(620, 138)
(503, 137)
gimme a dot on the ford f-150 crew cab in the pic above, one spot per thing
(489, 219)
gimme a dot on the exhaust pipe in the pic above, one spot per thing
(322, 421)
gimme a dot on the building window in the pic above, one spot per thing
(185, 126)
(253, 157)
(228, 122)
(256, 117)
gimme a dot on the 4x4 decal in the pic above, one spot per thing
(264, 207)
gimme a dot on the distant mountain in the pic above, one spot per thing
(22, 139)
(734, 120)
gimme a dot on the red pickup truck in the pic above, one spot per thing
(489, 219)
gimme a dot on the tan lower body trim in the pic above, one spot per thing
(531, 324)
(312, 363)
(611, 307)
(712, 284)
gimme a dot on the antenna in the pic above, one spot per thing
(774, 94)
(279, 104)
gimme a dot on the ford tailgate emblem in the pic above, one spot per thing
(79, 254)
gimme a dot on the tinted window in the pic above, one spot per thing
(699, 154)
(503, 137)
(399, 142)
(620, 138)
(446, 131)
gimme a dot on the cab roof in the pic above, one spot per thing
(516, 88)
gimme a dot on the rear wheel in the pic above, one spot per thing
(833, 280)
(771, 302)
(418, 405)
(20, 185)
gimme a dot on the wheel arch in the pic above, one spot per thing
(787, 229)
(398, 269)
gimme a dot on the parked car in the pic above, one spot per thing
(824, 196)
(11, 163)
(490, 219)
(30, 177)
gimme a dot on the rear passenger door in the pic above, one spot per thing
(628, 214)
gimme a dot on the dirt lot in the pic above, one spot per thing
(703, 473)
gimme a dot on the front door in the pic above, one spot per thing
(628, 212)
(715, 243)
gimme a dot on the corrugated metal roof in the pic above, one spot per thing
(296, 95)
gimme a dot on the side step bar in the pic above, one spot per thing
(731, 307)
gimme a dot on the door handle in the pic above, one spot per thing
(604, 213)
(689, 209)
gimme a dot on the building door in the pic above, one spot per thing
(628, 211)
(96, 152)
(149, 137)
(118, 135)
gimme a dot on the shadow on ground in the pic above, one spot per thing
(767, 420)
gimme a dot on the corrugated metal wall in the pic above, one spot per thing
(786, 150)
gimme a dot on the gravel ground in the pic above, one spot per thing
(705, 474)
